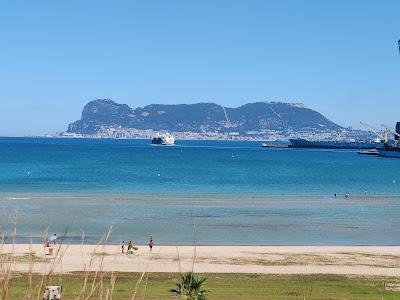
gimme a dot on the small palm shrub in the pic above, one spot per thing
(191, 287)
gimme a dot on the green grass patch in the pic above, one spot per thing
(223, 286)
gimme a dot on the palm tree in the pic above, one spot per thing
(190, 287)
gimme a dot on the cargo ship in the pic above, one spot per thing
(392, 148)
(303, 143)
(390, 151)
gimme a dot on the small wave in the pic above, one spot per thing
(18, 198)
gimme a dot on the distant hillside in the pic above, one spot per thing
(201, 117)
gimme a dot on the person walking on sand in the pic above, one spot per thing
(123, 247)
(129, 247)
(151, 243)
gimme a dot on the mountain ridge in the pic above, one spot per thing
(201, 117)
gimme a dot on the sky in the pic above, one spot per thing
(337, 57)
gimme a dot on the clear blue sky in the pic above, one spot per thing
(338, 57)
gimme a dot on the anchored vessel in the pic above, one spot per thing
(390, 151)
(302, 143)
(392, 148)
(388, 148)
(164, 140)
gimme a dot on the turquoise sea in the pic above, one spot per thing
(204, 192)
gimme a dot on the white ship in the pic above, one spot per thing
(163, 139)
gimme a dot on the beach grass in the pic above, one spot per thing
(221, 286)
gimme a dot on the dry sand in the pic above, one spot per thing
(356, 260)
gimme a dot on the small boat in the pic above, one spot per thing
(164, 140)
(369, 152)
(265, 145)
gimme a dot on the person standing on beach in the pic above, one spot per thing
(129, 247)
(151, 243)
(123, 247)
(52, 239)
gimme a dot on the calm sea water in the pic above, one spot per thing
(212, 192)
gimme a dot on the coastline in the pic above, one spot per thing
(339, 260)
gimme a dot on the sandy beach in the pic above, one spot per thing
(354, 260)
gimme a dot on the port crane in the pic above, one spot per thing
(397, 136)
(382, 137)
